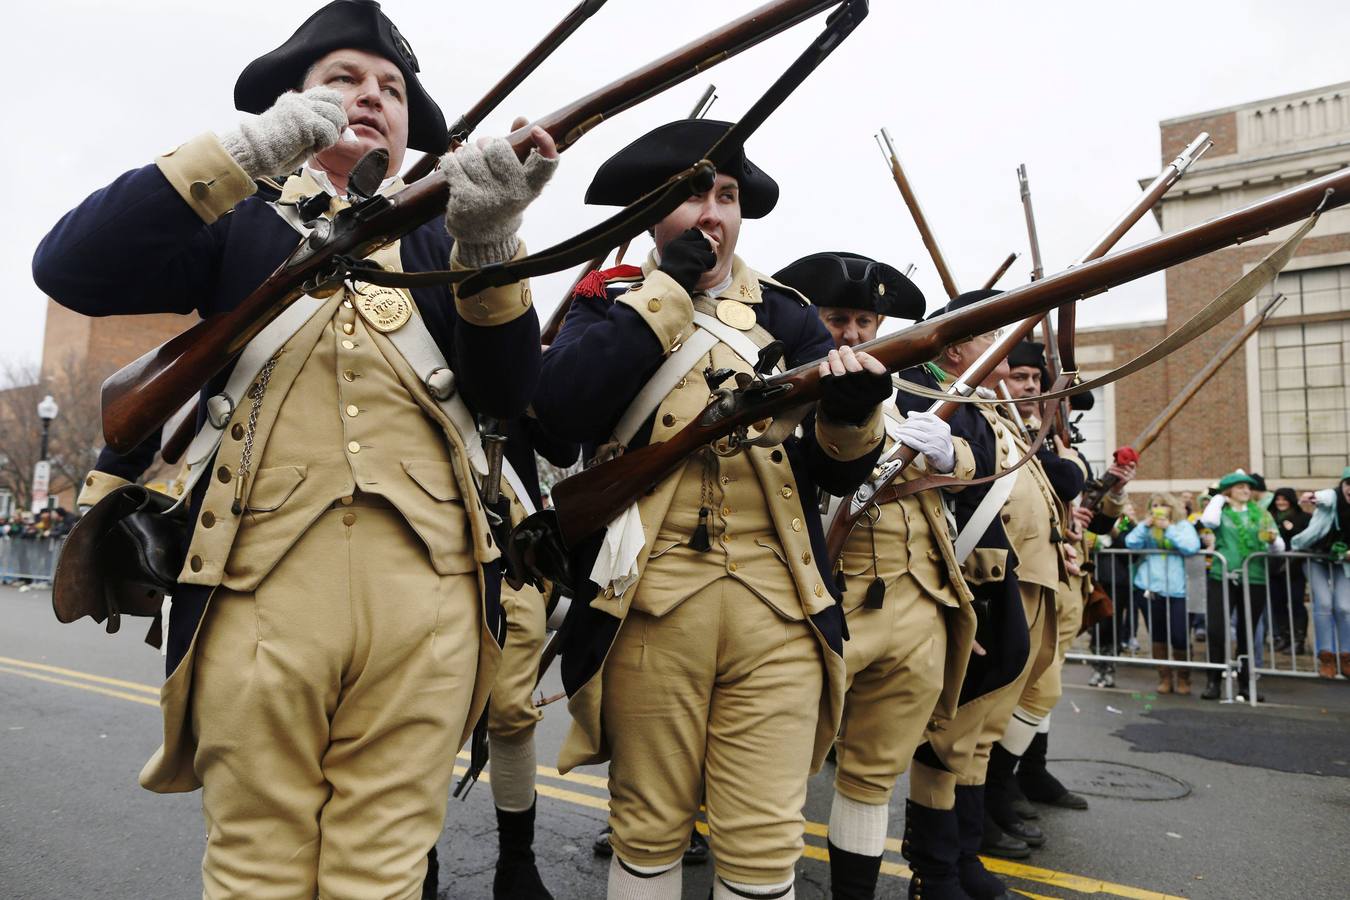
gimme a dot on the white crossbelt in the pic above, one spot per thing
(999, 492)
(616, 563)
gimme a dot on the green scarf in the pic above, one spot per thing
(1239, 536)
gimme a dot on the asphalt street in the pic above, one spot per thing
(1189, 799)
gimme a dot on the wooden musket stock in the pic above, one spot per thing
(139, 397)
(589, 500)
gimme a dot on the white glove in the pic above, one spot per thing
(1212, 517)
(931, 436)
(489, 190)
(295, 128)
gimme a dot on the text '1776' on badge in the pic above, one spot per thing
(384, 308)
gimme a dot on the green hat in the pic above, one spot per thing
(1238, 477)
(1345, 474)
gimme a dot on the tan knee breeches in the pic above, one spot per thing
(964, 745)
(896, 658)
(327, 706)
(717, 699)
(1042, 694)
(511, 711)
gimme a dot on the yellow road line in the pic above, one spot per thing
(1077, 883)
(71, 673)
(121, 695)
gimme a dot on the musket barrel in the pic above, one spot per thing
(920, 220)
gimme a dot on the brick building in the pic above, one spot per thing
(1281, 405)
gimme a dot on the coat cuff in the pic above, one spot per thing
(663, 305)
(849, 442)
(98, 485)
(493, 306)
(965, 460)
(206, 177)
(1112, 505)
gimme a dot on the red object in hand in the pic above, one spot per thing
(1126, 456)
(593, 284)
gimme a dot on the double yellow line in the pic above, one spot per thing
(591, 791)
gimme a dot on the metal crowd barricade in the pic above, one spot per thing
(1116, 641)
(1280, 632)
(28, 559)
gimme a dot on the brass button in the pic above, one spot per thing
(654, 305)
(346, 501)
(195, 563)
(786, 491)
(731, 567)
(806, 557)
(726, 510)
(820, 590)
(668, 419)
(352, 410)
(796, 524)
(996, 571)
(349, 519)
(525, 296)
(89, 482)
(681, 383)
(208, 519)
(776, 456)
(353, 447)
(348, 345)
(237, 432)
(223, 473)
(1006, 517)
(349, 375)
(348, 328)
(199, 190)
(726, 480)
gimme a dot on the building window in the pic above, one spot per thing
(1305, 376)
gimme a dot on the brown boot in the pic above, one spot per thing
(1183, 681)
(1326, 664)
(1345, 664)
(1161, 651)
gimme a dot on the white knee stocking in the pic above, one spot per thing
(630, 882)
(735, 890)
(511, 771)
(858, 827)
(1021, 730)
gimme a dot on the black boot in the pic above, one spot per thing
(975, 879)
(517, 878)
(997, 798)
(1213, 685)
(932, 847)
(852, 875)
(1024, 808)
(1036, 781)
(997, 842)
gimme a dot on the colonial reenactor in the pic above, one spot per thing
(1013, 569)
(1027, 379)
(908, 608)
(704, 657)
(332, 639)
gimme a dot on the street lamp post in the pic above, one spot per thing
(42, 471)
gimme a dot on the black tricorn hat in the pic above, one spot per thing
(360, 25)
(851, 281)
(646, 163)
(1028, 353)
(965, 299)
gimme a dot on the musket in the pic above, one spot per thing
(916, 211)
(1171, 173)
(1001, 270)
(465, 124)
(554, 324)
(1096, 491)
(1052, 360)
(587, 501)
(139, 397)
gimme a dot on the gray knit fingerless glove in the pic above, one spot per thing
(296, 127)
(489, 190)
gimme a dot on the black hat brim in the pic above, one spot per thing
(649, 161)
(355, 24)
(851, 281)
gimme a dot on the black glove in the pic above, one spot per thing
(851, 397)
(687, 257)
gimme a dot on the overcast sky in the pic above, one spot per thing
(968, 90)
